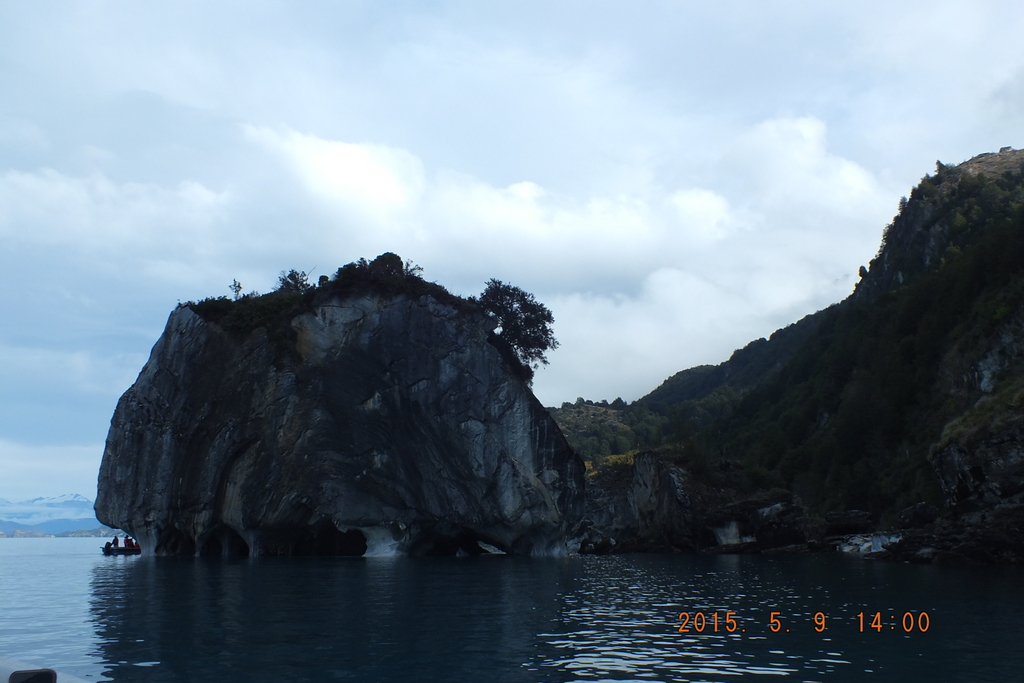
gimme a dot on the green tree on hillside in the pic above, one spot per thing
(293, 281)
(524, 324)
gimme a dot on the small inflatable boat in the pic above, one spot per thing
(120, 550)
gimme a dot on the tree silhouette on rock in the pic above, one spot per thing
(292, 281)
(524, 325)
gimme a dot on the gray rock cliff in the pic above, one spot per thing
(391, 427)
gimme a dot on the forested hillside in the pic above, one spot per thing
(847, 406)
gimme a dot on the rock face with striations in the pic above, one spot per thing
(390, 426)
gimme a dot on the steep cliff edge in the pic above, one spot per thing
(384, 423)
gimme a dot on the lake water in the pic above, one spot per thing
(494, 619)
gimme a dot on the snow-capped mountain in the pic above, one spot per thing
(39, 510)
(73, 500)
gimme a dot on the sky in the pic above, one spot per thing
(672, 179)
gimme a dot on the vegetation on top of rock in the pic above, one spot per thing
(386, 275)
(525, 324)
(596, 431)
(292, 281)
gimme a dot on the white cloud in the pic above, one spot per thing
(99, 218)
(704, 215)
(382, 182)
(789, 167)
(782, 197)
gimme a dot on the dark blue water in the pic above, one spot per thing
(500, 618)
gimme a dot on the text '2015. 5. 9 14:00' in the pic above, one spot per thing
(776, 622)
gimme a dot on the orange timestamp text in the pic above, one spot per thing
(728, 622)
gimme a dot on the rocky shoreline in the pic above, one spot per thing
(657, 504)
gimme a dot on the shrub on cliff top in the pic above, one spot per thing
(524, 324)
(295, 294)
(389, 275)
(292, 281)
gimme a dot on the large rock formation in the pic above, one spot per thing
(384, 423)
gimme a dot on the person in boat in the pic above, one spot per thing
(117, 541)
(129, 542)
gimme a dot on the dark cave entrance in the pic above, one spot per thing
(325, 539)
(437, 544)
(174, 542)
(224, 542)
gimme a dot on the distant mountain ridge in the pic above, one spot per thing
(688, 400)
(49, 515)
(746, 367)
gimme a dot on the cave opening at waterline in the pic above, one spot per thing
(175, 542)
(320, 539)
(224, 542)
(325, 539)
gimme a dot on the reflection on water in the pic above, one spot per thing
(44, 601)
(306, 619)
(514, 619)
(506, 619)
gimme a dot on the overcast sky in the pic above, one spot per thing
(673, 179)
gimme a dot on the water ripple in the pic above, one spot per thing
(515, 620)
